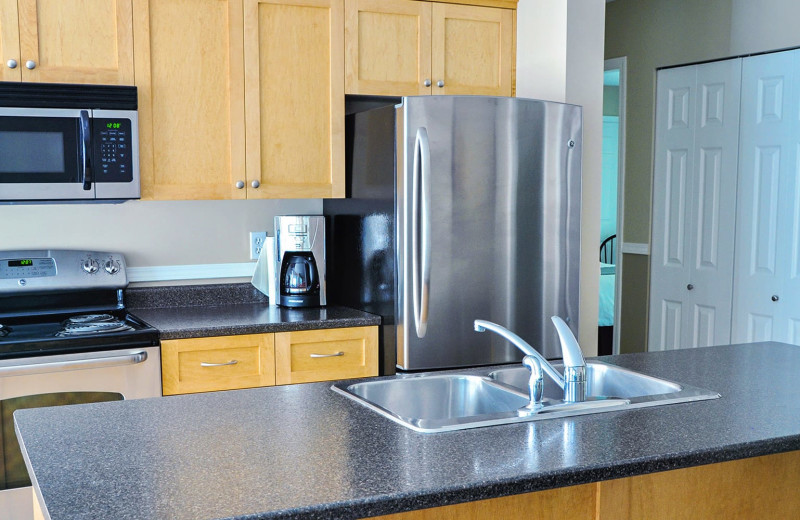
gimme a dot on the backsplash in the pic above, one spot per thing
(192, 295)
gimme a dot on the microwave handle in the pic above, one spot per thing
(86, 152)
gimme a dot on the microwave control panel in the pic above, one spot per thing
(113, 161)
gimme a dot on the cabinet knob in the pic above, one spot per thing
(440, 83)
(239, 185)
(30, 64)
(775, 297)
(690, 287)
(12, 64)
(255, 184)
(427, 82)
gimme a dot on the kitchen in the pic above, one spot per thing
(142, 222)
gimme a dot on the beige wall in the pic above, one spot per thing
(658, 33)
(148, 233)
(764, 25)
(560, 58)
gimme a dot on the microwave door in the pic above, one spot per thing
(115, 150)
(41, 155)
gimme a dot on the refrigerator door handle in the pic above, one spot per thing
(421, 231)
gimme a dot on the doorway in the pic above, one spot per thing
(612, 204)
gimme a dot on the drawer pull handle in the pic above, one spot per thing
(231, 362)
(335, 354)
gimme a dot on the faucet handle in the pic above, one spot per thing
(570, 349)
(536, 381)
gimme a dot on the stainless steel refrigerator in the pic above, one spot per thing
(459, 208)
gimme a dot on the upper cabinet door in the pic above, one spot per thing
(294, 98)
(9, 41)
(190, 74)
(472, 49)
(71, 41)
(388, 47)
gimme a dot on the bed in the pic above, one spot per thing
(605, 319)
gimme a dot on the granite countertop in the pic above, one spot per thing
(227, 309)
(304, 451)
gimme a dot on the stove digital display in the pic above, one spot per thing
(18, 268)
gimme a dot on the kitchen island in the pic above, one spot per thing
(303, 451)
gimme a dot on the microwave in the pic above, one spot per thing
(68, 142)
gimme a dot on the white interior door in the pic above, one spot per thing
(767, 281)
(670, 260)
(713, 200)
(694, 196)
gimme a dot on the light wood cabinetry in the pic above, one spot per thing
(217, 363)
(472, 50)
(760, 487)
(319, 355)
(190, 75)
(388, 47)
(67, 41)
(410, 47)
(9, 41)
(294, 81)
(251, 360)
(240, 98)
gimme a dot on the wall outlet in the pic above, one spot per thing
(257, 239)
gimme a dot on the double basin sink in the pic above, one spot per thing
(442, 402)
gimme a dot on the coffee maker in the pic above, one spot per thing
(300, 258)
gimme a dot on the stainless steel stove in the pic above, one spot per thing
(65, 338)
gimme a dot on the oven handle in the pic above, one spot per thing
(86, 152)
(43, 367)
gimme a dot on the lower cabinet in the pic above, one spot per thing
(758, 487)
(322, 355)
(251, 360)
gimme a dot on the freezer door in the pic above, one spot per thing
(488, 226)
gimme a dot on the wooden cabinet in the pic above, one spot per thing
(759, 487)
(252, 360)
(217, 363)
(294, 81)
(190, 74)
(67, 41)
(202, 65)
(409, 47)
(9, 41)
(319, 355)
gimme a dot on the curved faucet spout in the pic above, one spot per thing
(483, 325)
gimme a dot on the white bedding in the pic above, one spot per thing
(607, 282)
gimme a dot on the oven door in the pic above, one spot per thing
(44, 154)
(86, 377)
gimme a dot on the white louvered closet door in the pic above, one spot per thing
(767, 275)
(694, 195)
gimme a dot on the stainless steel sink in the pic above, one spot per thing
(437, 402)
(441, 402)
(605, 380)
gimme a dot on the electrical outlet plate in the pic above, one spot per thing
(257, 239)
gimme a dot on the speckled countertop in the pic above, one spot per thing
(227, 309)
(304, 451)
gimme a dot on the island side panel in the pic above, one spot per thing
(758, 487)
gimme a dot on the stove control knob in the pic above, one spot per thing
(90, 266)
(111, 266)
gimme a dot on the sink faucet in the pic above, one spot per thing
(573, 382)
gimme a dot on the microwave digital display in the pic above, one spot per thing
(20, 263)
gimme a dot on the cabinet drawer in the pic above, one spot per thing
(321, 355)
(217, 363)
